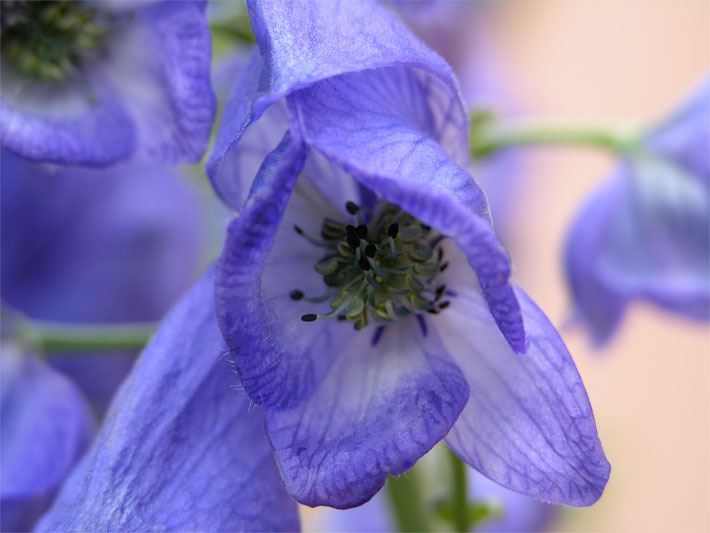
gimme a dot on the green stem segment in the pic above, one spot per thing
(407, 502)
(72, 338)
(459, 494)
(487, 139)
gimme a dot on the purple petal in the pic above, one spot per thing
(239, 149)
(108, 245)
(180, 448)
(375, 126)
(686, 136)
(66, 125)
(644, 235)
(528, 424)
(596, 304)
(301, 43)
(96, 245)
(376, 411)
(46, 425)
(161, 64)
(269, 374)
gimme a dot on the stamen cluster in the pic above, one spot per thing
(378, 271)
(48, 40)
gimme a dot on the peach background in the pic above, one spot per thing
(628, 61)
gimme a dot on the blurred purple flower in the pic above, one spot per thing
(340, 90)
(95, 82)
(46, 425)
(518, 513)
(80, 245)
(644, 235)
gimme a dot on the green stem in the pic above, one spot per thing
(237, 30)
(490, 139)
(407, 502)
(459, 494)
(61, 337)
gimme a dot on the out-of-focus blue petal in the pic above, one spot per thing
(82, 245)
(685, 138)
(374, 516)
(528, 424)
(375, 126)
(301, 43)
(45, 425)
(518, 513)
(161, 66)
(96, 245)
(599, 307)
(65, 125)
(148, 94)
(644, 234)
(180, 448)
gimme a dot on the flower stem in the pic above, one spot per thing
(407, 503)
(61, 337)
(459, 494)
(488, 137)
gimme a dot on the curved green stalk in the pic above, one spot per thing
(487, 137)
(47, 337)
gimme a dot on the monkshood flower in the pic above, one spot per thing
(95, 82)
(78, 245)
(514, 513)
(363, 296)
(362, 238)
(644, 234)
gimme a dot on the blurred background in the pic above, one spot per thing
(621, 62)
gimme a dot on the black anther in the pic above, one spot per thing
(352, 208)
(310, 317)
(370, 250)
(361, 231)
(393, 230)
(296, 294)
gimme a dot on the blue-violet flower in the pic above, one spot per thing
(644, 234)
(364, 298)
(94, 82)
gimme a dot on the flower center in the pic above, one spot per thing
(378, 272)
(48, 40)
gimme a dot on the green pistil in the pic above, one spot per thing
(48, 40)
(377, 272)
